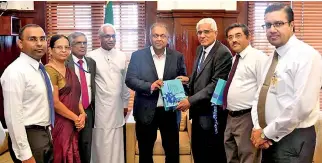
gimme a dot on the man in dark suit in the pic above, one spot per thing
(85, 69)
(147, 69)
(213, 62)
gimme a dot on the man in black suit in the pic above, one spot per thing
(147, 69)
(85, 69)
(213, 62)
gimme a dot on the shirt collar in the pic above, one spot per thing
(207, 50)
(283, 49)
(75, 59)
(153, 52)
(107, 51)
(245, 51)
(34, 63)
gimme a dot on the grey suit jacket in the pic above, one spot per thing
(142, 73)
(202, 85)
(92, 70)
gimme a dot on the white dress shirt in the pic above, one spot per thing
(293, 101)
(87, 75)
(207, 50)
(2, 133)
(244, 84)
(159, 62)
(25, 101)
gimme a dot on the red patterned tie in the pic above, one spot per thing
(85, 98)
(230, 78)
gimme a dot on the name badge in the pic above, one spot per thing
(274, 83)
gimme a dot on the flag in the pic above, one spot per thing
(109, 13)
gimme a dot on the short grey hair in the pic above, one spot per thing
(158, 24)
(74, 35)
(210, 21)
(100, 30)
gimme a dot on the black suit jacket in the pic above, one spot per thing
(92, 70)
(142, 73)
(202, 85)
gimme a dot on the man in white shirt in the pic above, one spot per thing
(85, 69)
(111, 100)
(284, 112)
(28, 100)
(239, 94)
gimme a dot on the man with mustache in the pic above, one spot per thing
(287, 106)
(28, 100)
(213, 62)
(239, 94)
(85, 69)
(111, 100)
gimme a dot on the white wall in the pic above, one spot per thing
(197, 4)
(18, 5)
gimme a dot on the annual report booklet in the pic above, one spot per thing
(172, 93)
(217, 96)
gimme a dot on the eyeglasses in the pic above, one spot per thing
(36, 39)
(277, 24)
(108, 36)
(206, 32)
(155, 36)
(237, 36)
(80, 43)
(61, 48)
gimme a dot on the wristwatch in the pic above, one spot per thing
(263, 136)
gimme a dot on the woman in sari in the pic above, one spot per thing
(70, 115)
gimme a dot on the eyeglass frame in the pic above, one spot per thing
(61, 48)
(237, 36)
(80, 43)
(206, 32)
(275, 25)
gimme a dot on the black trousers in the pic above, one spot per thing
(40, 144)
(147, 133)
(85, 137)
(208, 147)
(296, 147)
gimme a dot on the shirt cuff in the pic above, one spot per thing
(24, 154)
(125, 104)
(271, 134)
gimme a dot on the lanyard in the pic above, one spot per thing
(81, 67)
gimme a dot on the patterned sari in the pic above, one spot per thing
(65, 134)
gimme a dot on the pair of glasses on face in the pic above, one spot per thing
(156, 36)
(206, 32)
(61, 48)
(36, 39)
(276, 25)
(80, 43)
(237, 36)
(108, 36)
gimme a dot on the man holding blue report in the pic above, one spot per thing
(147, 70)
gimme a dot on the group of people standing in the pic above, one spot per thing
(50, 109)
(72, 109)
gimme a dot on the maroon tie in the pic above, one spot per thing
(85, 98)
(230, 78)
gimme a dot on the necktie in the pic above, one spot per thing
(263, 93)
(85, 98)
(201, 61)
(49, 94)
(230, 78)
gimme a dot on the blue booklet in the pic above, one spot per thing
(217, 96)
(172, 93)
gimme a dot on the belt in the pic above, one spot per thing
(239, 113)
(37, 127)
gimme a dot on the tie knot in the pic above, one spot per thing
(80, 62)
(41, 66)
